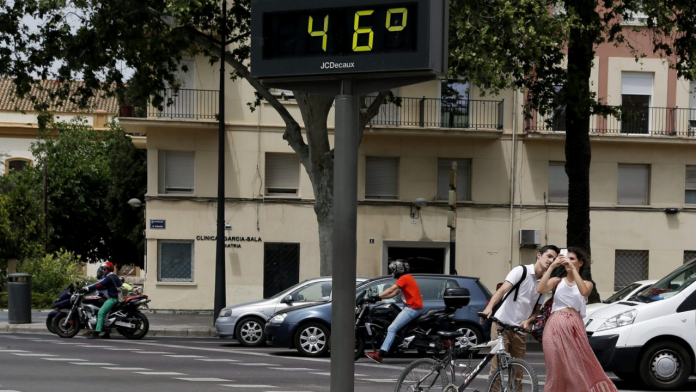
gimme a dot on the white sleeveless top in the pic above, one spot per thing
(568, 297)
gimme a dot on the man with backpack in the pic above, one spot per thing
(518, 302)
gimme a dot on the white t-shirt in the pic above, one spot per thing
(515, 312)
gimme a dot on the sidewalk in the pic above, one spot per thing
(162, 323)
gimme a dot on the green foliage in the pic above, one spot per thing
(38, 300)
(21, 217)
(53, 272)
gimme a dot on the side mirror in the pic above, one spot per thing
(287, 299)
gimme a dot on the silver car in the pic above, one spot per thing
(246, 322)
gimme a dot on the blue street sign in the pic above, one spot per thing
(158, 224)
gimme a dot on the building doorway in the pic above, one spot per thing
(423, 260)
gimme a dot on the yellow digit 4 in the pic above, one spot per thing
(320, 33)
(362, 30)
(403, 11)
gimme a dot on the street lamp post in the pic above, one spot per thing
(136, 203)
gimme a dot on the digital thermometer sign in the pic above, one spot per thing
(292, 39)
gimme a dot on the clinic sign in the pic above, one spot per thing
(230, 242)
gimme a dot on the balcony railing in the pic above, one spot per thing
(630, 121)
(440, 113)
(180, 104)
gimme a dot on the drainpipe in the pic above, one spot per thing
(513, 168)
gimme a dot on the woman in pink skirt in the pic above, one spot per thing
(571, 366)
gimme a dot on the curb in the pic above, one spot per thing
(40, 328)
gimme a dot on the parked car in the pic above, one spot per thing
(624, 294)
(246, 322)
(650, 337)
(287, 327)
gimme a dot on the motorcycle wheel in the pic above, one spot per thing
(49, 324)
(64, 327)
(359, 347)
(140, 331)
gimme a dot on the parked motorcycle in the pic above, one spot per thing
(125, 317)
(63, 302)
(420, 334)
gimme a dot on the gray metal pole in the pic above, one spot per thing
(344, 240)
(220, 300)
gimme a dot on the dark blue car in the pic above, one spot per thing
(311, 324)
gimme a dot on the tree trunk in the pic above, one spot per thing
(578, 101)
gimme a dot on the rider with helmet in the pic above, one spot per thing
(410, 296)
(110, 283)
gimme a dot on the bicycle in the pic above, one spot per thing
(512, 375)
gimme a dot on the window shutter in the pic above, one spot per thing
(558, 183)
(463, 178)
(382, 178)
(633, 184)
(636, 83)
(176, 172)
(690, 189)
(282, 174)
(630, 266)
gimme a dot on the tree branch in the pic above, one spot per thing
(368, 113)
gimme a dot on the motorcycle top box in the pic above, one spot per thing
(456, 297)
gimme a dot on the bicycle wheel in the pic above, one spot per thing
(517, 376)
(424, 374)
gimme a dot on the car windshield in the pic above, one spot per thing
(670, 285)
(621, 294)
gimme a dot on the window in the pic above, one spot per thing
(637, 17)
(463, 178)
(692, 105)
(689, 255)
(690, 188)
(377, 287)
(176, 172)
(281, 267)
(175, 261)
(382, 178)
(16, 164)
(669, 286)
(558, 183)
(281, 94)
(622, 294)
(636, 97)
(433, 289)
(311, 292)
(282, 174)
(633, 184)
(454, 104)
(630, 266)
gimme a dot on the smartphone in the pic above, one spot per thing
(564, 252)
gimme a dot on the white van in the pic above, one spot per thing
(652, 336)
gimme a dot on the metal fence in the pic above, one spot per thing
(440, 113)
(630, 266)
(629, 121)
(181, 103)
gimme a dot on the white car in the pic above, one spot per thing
(652, 336)
(625, 294)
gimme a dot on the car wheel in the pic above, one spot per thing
(472, 336)
(665, 366)
(250, 332)
(312, 340)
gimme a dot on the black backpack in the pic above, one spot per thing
(515, 288)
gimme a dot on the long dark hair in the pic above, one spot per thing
(582, 256)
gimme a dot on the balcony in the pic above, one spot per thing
(178, 104)
(440, 113)
(630, 121)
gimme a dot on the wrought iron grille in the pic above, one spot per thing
(281, 267)
(175, 261)
(630, 266)
(689, 255)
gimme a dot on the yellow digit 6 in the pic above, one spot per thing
(363, 30)
(403, 21)
(321, 33)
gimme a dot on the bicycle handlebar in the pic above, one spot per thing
(505, 326)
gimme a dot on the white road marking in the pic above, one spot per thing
(63, 359)
(73, 344)
(93, 363)
(256, 364)
(161, 373)
(34, 355)
(184, 356)
(291, 369)
(122, 349)
(217, 360)
(248, 386)
(329, 374)
(95, 346)
(126, 368)
(153, 352)
(392, 380)
(13, 351)
(204, 379)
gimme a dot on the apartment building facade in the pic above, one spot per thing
(643, 184)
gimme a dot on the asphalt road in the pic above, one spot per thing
(43, 363)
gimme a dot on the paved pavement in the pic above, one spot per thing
(161, 324)
(184, 365)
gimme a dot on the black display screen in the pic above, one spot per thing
(356, 30)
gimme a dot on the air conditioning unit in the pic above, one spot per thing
(530, 237)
